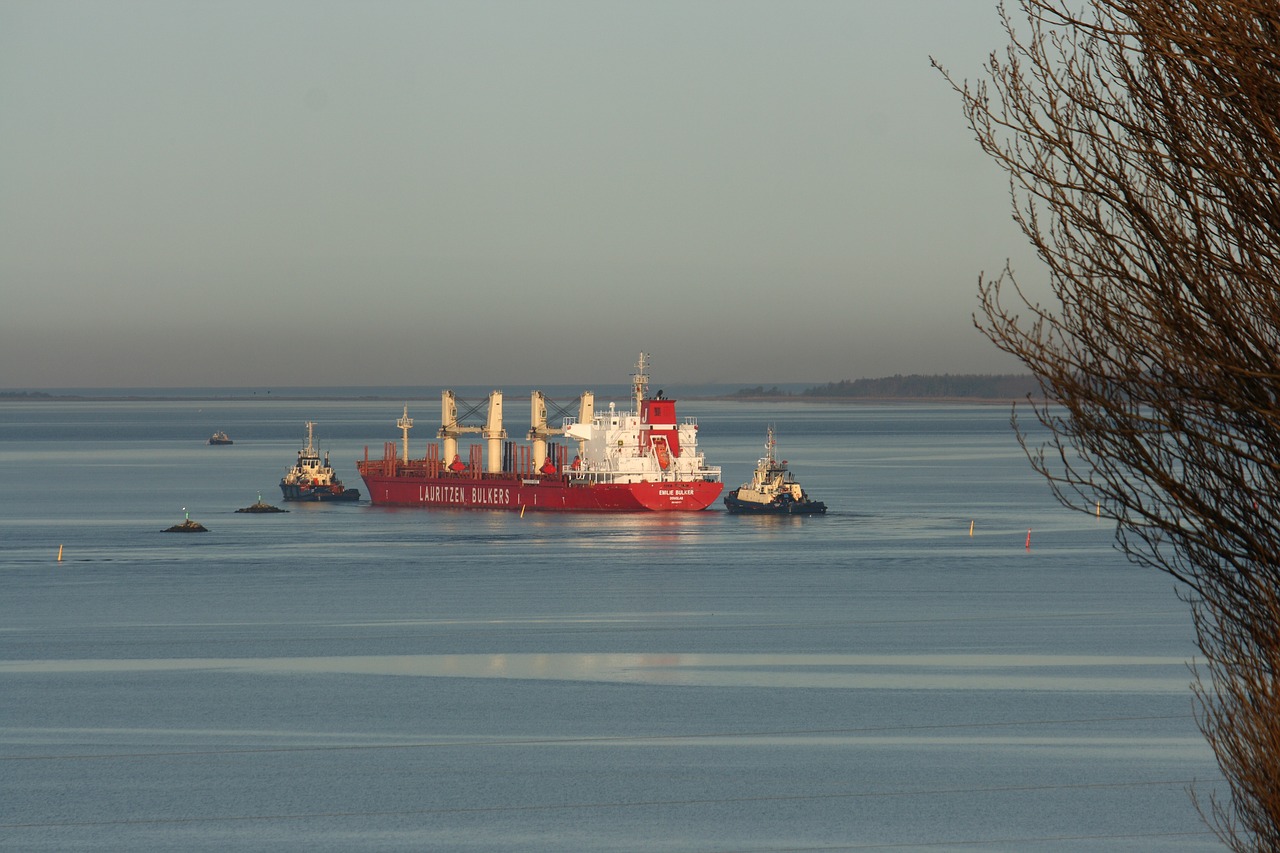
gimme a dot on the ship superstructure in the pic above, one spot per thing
(643, 459)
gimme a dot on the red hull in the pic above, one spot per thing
(551, 494)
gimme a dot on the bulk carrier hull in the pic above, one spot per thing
(644, 460)
(545, 495)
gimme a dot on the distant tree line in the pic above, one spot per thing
(914, 386)
(761, 391)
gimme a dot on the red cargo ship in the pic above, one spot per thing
(624, 461)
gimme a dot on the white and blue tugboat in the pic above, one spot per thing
(312, 479)
(772, 490)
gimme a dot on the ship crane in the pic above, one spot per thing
(492, 431)
(539, 431)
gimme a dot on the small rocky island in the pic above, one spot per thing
(260, 506)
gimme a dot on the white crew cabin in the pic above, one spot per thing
(631, 447)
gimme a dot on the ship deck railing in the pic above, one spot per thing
(586, 476)
(571, 420)
(391, 465)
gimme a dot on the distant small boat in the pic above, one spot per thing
(312, 479)
(772, 490)
(220, 438)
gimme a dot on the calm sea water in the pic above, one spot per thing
(360, 678)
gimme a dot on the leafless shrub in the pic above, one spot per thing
(1142, 144)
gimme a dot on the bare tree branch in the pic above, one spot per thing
(1141, 140)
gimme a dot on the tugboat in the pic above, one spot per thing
(220, 438)
(772, 490)
(311, 479)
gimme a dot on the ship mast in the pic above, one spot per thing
(405, 423)
(311, 448)
(640, 381)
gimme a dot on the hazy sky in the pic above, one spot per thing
(302, 192)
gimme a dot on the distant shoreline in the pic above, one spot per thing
(868, 400)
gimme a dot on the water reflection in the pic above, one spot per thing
(876, 672)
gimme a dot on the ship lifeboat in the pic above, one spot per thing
(664, 455)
